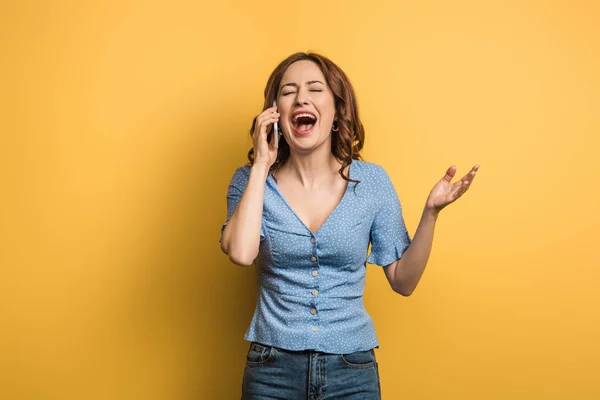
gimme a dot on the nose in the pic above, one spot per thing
(301, 101)
(302, 98)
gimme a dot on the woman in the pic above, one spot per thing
(308, 210)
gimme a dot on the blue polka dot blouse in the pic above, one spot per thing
(312, 284)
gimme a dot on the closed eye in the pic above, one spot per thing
(312, 90)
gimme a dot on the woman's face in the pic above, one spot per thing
(306, 105)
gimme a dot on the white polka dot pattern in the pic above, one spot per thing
(316, 280)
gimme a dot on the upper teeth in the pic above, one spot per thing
(303, 115)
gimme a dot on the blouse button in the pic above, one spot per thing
(315, 292)
(313, 311)
(312, 240)
(315, 273)
(314, 329)
(313, 259)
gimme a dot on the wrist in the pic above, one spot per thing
(261, 168)
(431, 212)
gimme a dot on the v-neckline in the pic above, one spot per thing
(276, 186)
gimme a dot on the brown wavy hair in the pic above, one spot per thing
(348, 141)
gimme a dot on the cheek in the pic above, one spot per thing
(327, 110)
(327, 117)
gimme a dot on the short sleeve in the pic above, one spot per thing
(238, 184)
(389, 237)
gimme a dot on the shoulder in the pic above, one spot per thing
(370, 172)
(377, 183)
(241, 175)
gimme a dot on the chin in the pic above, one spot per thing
(307, 144)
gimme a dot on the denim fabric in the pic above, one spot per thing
(275, 373)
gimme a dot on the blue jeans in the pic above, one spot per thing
(274, 373)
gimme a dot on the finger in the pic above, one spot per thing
(263, 124)
(267, 126)
(262, 117)
(468, 177)
(464, 186)
(269, 121)
(456, 189)
(450, 172)
(269, 110)
(471, 175)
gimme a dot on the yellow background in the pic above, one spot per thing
(123, 121)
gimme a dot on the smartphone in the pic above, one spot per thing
(275, 128)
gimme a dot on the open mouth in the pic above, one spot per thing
(304, 122)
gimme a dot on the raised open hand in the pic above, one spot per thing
(446, 192)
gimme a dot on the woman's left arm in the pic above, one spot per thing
(404, 274)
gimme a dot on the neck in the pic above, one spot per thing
(313, 169)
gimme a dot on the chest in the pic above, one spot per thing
(313, 207)
(317, 228)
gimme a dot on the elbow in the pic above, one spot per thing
(237, 255)
(241, 261)
(224, 247)
(241, 258)
(404, 291)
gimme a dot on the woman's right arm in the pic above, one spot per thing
(241, 237)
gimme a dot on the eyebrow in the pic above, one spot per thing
(296, 85)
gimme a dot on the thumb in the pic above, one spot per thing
(450, 172)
